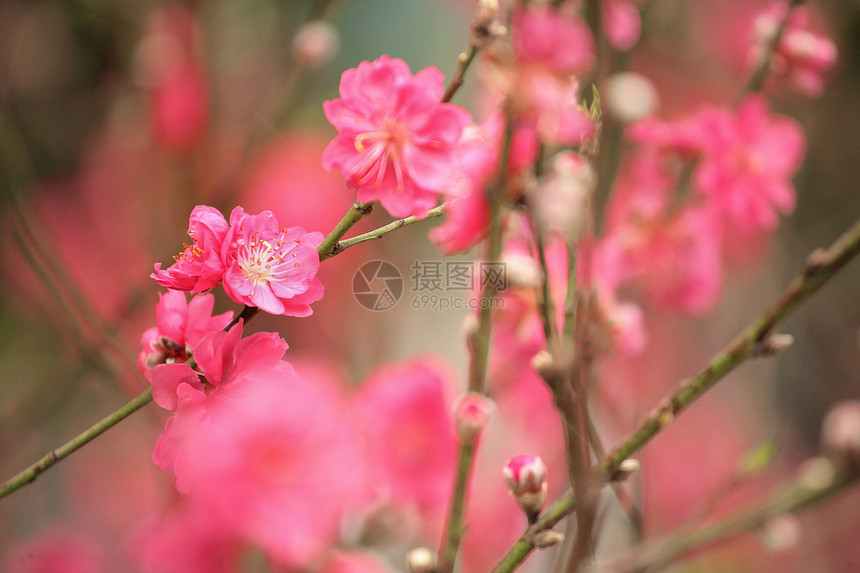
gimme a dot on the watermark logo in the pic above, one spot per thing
(377, 285)
(436, 285)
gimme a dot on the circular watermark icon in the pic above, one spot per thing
(377, 285)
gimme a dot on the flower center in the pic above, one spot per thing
(266, 260)
(381, 148)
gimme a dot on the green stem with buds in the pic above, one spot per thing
(755, 341)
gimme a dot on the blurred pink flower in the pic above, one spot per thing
(229, 365)
(198, 268)
(748, 163)
(56, 551)
(803, 56)
(395, 139)
(172, 69)
(353, 562)
(543, 36)
(180, 326)
(674, 253)
(184, 539)
(269, 267)
(622, 23)
(476, 161)
(405, 410)
(279, 462)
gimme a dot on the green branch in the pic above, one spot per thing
(30, 474)
(800, 494)
(385, 229)
(357, 212)
(754, 341)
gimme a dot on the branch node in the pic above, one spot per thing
(547, 538)
(773, 345)
(815, 262)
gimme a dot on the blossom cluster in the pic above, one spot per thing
(259, 263)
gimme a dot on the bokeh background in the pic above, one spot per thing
(117, 117)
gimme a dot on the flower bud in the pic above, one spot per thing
(472, 412)
(626, 469)
(521, 270)
(421, 560)
(547, 538)
(561, 199)
(630, 97)
(780, 533)
(526, 478)
(840, 433)
(315, 43)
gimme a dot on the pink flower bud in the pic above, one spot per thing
(840, 432)
(526, 478)
(472, 412)
(315, 43)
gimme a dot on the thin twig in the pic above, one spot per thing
(29, 474)
(479, 345)
(344, 244)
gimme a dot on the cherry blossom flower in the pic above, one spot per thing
(278, 464)
(467, 216)
(674, 253)
(748, 163)
(180, 326)
(803, 56)
(229, 365)
(270, 267)
(405, 411)
(543, 36)
(395, 139)
(622, 23)
(171, 67)
(198, 268)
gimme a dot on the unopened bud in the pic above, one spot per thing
(486, 12)
(421, 560)
(521, 270)
(472, 412)
(816, 474)
(561, 199)
(626, 469)
(547, 538)
(840, 433)
(315, 43)
(630, 97)
(526, 478)
(780, 533)
(774, 344)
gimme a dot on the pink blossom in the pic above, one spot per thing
(395, 139)
(353, 562)
(543, 36)
(180, 326)
(803, 56)
(198, 268)
(277, 463)
(172, 69)
(56, 551)
(674, 253)
(467, 216)
(229, 364)
(748, 163)
(622, 23)
(184, 539)
(405, 410)
(269, 267)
